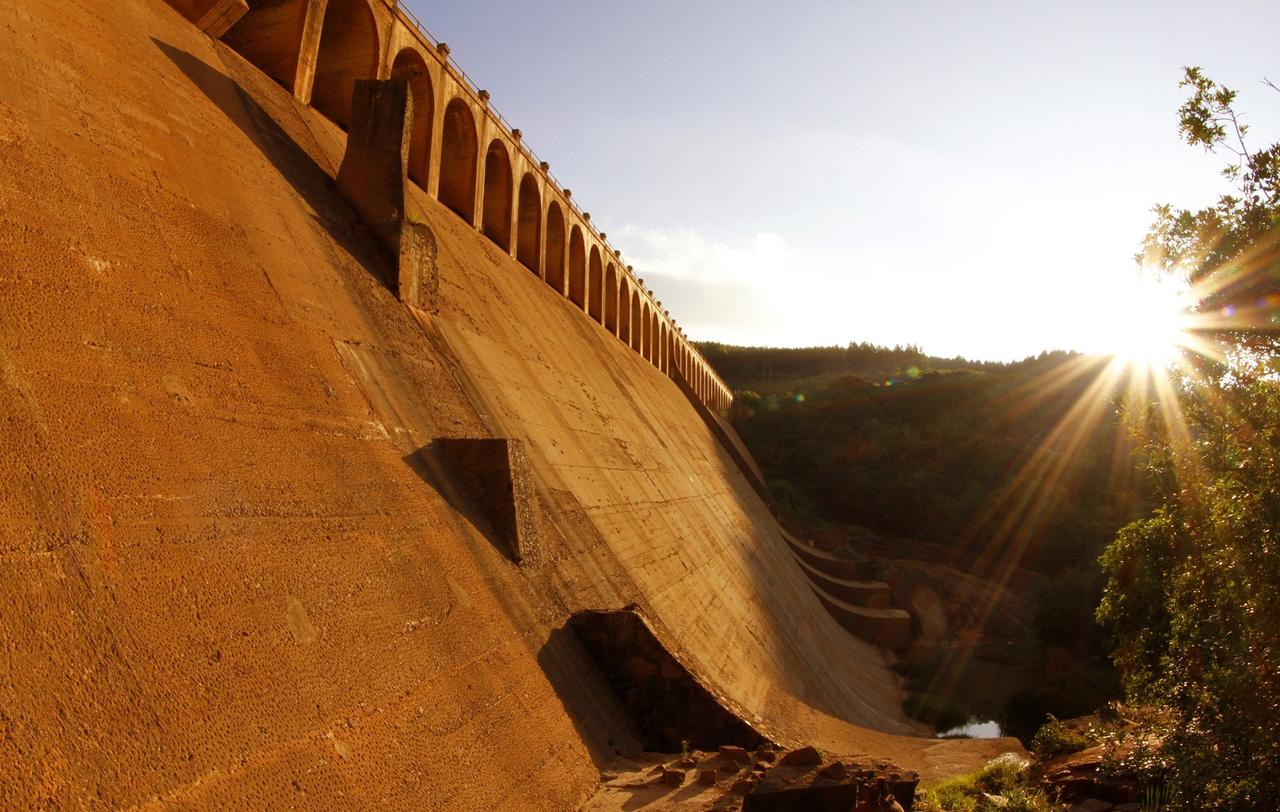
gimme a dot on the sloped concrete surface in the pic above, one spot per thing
(229, 579)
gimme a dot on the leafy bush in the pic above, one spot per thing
(1056, 738)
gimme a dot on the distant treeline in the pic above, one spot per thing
(764, 369)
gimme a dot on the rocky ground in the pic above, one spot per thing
(733, 778)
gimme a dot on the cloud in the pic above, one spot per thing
(715, 289)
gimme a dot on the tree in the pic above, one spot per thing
(1193, 593)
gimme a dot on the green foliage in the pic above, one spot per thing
(925, 457)
(794, 501)
(930, 456)
(1004, 783)
(1227, 251)
(1193, 593)
(1193, 596)
(1056, 738)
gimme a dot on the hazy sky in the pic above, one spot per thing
(971, 177)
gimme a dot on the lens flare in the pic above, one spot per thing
(1146, 324)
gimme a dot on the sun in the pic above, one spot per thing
(1145, 324)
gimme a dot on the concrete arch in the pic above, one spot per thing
(349, 50)
(611, 298)
(664, 350)
(496, 217)
(595, 286)
(410, 66)
(660, 343)
(529, 225)
(653, 338)
(577, 268)
(554, 262)
(624, 310)
(269, 36)
(637, 322)
(458, 161)
(646, 335)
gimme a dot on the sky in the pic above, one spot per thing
(973, 178)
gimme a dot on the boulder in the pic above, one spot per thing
(734, 753)
(836, 771)
(802, 757)
(672, 778)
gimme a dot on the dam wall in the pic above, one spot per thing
(238, 569)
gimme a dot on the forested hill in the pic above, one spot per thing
(938, 449)
(772, 369)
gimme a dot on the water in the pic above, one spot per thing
(974, 729)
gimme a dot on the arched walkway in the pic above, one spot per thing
(497, 195)
(611, 299)
(411, 67)
(458, 161)
(595, 287)
(529, 225)
(259, 36)
(577, 269)
(348, 51)
(554, 262)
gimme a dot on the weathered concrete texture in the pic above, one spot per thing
(225, 581)
(214, 17)
(672, 710)
(496, 473)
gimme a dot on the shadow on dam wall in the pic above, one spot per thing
(288, 157)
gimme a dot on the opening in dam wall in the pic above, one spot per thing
(671, 710)
(462, 152)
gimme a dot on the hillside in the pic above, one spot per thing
(986, 490)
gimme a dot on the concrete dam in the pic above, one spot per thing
(343, 460)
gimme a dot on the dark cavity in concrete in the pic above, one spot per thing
(670, 709)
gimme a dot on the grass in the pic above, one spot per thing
(1003, 784)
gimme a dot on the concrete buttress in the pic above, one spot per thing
(373, 176)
